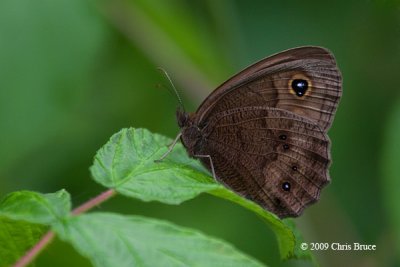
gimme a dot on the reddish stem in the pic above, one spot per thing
(49, 236)
(94, 202)
(33, 252)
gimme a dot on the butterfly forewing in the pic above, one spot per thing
(269, 83)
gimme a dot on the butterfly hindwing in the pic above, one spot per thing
(271, 148)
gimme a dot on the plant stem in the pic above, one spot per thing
(33, 252)
(94, 202)
(49, 236)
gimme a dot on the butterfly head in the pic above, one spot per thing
(182, 117)
(191, 134)
(185, 120)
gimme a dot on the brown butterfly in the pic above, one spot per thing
(263, 133)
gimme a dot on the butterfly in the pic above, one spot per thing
(263, 132)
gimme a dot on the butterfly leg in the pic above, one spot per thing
(211, 163)
(171, 146)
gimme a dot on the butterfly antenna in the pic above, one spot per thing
(175, 91)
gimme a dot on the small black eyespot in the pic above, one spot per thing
(282, 137)
(285, 146)
(294, 168)
(300, 86)
(286, 186)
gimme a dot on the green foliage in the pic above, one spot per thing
(24, 217)
(139, 241)
(16, 237)
(126, 165)
(35, 207)
(109, 239)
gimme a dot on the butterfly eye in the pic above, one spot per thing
(286, 186)
(294, 168)
(282, 137)
(300, 86)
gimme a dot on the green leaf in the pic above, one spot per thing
(126, 163)
(114, 240)
(16, 237)
(107, 239)
(35, 207)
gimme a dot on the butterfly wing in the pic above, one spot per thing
(271, 156)
(265, 129)
(273, 82)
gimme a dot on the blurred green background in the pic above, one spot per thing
(74, 72)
